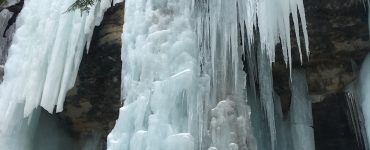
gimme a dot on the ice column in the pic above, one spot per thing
(301, 113)
(162, 86)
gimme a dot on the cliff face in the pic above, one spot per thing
(339, 42)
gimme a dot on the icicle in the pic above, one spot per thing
(301, 113)
(224, 31)
(42, 65)
(46, 52)
(355, 115)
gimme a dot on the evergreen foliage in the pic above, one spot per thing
(2, 2)
(83, 5)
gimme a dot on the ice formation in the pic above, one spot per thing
(296, 132)
(355, 114)
(183, 77)
(196, 74)
(363, 93)
(42, 65)
(50, 43)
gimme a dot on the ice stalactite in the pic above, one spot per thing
(186, 84)
(355, 114)
(295, 131)
(42, 64)
(230, 30)
(301, 114)
(50, 43)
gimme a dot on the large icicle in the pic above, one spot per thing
(301, 113)
(42, 65)
(46, 52)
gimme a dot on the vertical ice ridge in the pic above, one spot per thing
(48, 41)
(301, 113)
(355, 114)
(163, 89)
(364, 96)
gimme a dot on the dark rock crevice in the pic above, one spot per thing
(92, 106)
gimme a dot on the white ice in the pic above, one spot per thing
(183, 71)
(42, 64)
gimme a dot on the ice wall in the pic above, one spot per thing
(163, 89)
(42, 65)
(184, 75)
(46, 52)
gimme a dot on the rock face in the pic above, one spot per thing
(92, 106)
(339, 42)
(339, 39)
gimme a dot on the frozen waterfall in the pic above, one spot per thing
(42, 64)
(196, 74)
(183, 82)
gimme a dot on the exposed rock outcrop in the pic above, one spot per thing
(339, 42)
(91, 107)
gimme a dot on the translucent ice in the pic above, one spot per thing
(364, 86)
(42, 65)
(46, 52)
(183, 71)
